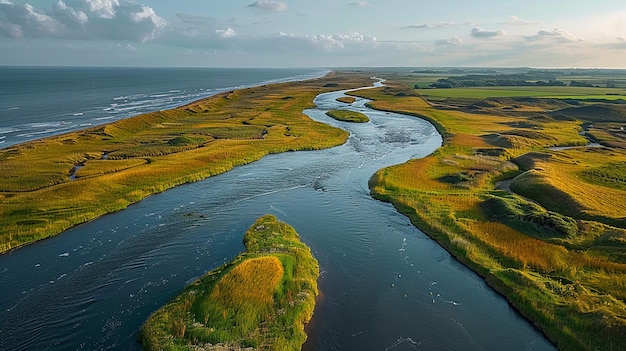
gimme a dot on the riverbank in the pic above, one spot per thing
(561, 266)
(44, 193)
(260, 300)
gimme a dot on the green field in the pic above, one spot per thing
(262, 299)
(544, 92)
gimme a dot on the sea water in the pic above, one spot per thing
(37, 102)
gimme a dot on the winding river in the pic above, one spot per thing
(385, 285)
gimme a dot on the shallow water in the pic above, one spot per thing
(384, 284)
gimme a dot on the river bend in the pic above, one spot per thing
(385, 285)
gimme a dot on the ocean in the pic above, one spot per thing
(37, 102)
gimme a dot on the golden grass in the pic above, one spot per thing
(262, 299)
(570, 283)
(154, 152)
(348, 116)
(346, 99)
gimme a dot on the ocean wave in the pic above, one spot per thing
(9, 130)
(130, 97)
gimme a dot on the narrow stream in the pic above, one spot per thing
(384, 284)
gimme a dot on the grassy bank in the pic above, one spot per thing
(262, 299)
(544, 226)
(348, 116)
(42, 194)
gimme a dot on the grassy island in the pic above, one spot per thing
(50, 185)
(261, 300)
(348, 116)
(516, 195)
(346, 99)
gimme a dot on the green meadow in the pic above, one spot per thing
(545, 226)
(260, 300)
(542, 92)
(121, 163)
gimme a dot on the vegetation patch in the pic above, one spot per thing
(548, 232)
(348, 116)
(261, 300)
(44, 194)
(346, 99)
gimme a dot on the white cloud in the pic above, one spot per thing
(89, 19)
(78, 16)
(103, 8)
(360, 4)
(478, 32)
(556, 34)
(226, 33)
(454, 41)
(437, 25)
(270, 5)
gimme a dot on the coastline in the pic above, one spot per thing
(103, 104)
(181, 145)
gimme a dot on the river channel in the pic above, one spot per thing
(385, 285)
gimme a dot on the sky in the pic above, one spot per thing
(307, 33)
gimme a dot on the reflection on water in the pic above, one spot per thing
(384, 284)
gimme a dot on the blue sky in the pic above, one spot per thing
(304, 33)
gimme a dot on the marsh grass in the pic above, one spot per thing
(348, 116)
(262, 299)
(346, 99)
(153, 152)
(557, 252)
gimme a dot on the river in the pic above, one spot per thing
(384, 284)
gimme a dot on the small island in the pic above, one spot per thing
(348, 116)
(261, 300)
(346, 99)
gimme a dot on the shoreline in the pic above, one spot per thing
(74, 126)
(212, 148)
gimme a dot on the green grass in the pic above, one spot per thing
(262, 299)
(150, 153)
(543, 92)
(348, 116)
(557, 251)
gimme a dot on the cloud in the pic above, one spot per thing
(20, 21)
(437, 25)
(225, 33)
(270, 5)
(478, 32)
(558, 35)
(514, 20)
(103, 8)
(454, 41)
(360, 4)
(88, 19)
